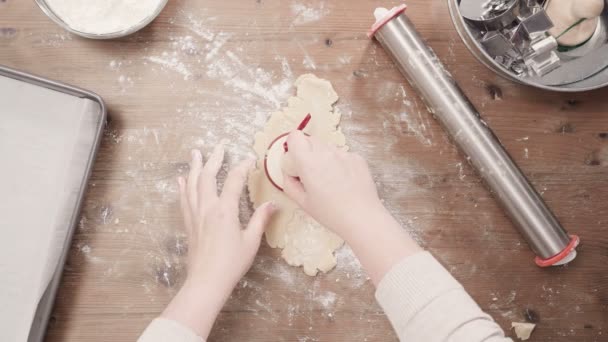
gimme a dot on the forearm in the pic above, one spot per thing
(379, 242)
(425, 303)
(420, 297)
(197, 306)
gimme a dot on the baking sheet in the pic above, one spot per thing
(47, 138)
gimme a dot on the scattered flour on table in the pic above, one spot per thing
(198, 25)
(214, 47)
(461, 174)
(86, 251)
(171, 62)
(307, 339)
(417, 119)
(451, 57)
(125, 81)
(211, 54)
(417, 126)
(105, 214)
(168, 189)
(266, 307)
(184, 44)
(411, 118)
(308, 13)
(278, 269)
(326, 299)
(55, 40)
(309, 63)
(345, 60)
(254, 83)
(350, 268)
(82, 224)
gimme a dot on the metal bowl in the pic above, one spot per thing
(597, 66)
(112, 35)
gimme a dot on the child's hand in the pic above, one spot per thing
(335, 187)
(219, 248)
(220, 252)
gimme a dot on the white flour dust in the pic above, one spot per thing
(326, 299)
(86, 252)
(101, 17)
(276, 269)
(210, 54)
(411, 118)
(417, 126)
(416, 119)
(170, 62)
(304, 13)
(350, 268)
(345, 60)
(85, 249)
(55, 40)
(197, 25)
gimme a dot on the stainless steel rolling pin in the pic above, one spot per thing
(424, 71)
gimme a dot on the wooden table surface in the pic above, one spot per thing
(210, 70)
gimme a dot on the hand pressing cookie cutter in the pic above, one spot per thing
(276, 150)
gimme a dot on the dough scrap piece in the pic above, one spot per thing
(304, 242)
(523, 330)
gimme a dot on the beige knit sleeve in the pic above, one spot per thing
(425, 303)
(164, 330)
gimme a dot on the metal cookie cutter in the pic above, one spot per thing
(542, 58)
(512, 39)
(534, 220)
(490, 14)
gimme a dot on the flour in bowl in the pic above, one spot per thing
(104, 16)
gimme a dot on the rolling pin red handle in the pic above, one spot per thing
(561, 256)
(385, 17)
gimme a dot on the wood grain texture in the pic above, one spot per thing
(209, 70)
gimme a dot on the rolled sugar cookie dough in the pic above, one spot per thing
(303, 241)
(523, 331)
(310, 245)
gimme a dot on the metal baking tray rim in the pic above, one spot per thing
(45, 307)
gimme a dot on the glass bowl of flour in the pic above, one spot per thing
(102, 19)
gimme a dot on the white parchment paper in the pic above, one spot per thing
(46, 138)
